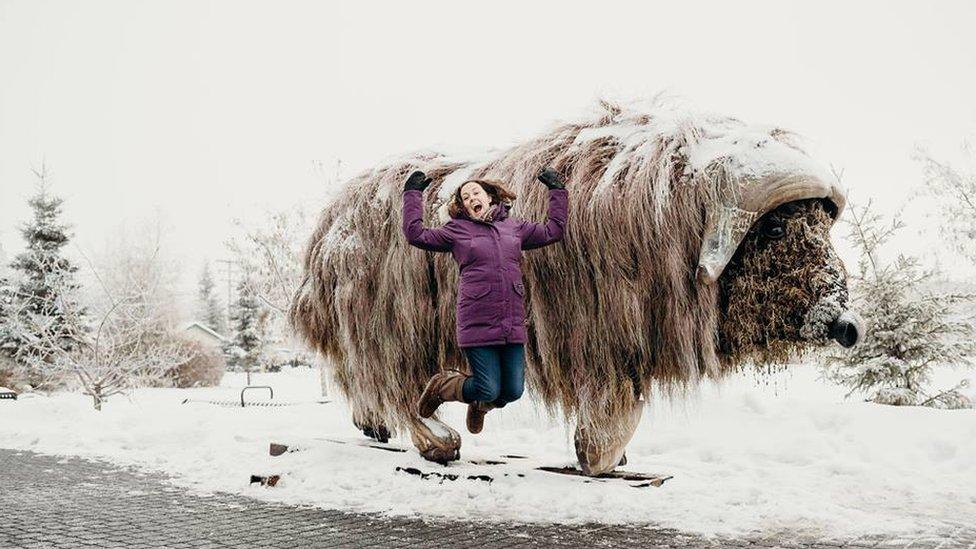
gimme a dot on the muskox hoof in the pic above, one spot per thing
(596, 460)
(372, 427)
(378, 433)
(600, 453)
(442, 455)
(435, 440)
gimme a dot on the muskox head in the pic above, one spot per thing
(782, 287)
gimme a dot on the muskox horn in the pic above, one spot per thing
(741, 202)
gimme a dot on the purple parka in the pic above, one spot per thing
(490, 308)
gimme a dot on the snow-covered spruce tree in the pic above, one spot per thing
(245, 349)
(909, 330)
(6, 305)
(6, 295)
(45, 290)
(209, 309)
(956, 192)
(6, 356)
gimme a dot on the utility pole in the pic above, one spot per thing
(230, 265)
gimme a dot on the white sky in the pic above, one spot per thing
(206, 111)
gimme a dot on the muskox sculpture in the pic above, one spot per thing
(694, 245)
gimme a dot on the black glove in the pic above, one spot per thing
(550, 178)
(417, 181)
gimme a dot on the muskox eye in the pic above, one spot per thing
(773, 230)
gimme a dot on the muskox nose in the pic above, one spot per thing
(847, 329)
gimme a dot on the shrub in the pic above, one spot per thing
(204, 369)
(909, 329)
(6, 372)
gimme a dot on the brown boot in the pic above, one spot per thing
(443, 387)
(475, 419)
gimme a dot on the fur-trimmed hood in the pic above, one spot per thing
(498, 212)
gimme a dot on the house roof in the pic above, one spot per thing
(206, 329)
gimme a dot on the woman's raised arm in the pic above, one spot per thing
(434, 240)
(536, 235)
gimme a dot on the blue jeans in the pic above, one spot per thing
(499, 373)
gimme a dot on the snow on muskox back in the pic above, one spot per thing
(694, 244)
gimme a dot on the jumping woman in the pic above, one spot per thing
(487, 245)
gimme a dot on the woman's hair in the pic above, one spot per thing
(496, 190)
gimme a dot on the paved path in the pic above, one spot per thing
(69, 502)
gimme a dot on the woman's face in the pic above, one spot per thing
(476, 201)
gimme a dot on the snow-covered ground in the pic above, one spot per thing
(779, 452)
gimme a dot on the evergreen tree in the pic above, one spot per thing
(7, 367)
(908, 329)
(6, 306)
(209, 310)
(6, 339)
(245, 350)
(44, 297)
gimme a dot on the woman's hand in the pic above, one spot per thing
(550, 178)
(417, 181)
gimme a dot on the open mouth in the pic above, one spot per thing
(477, 208)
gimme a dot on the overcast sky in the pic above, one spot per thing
(205, 111)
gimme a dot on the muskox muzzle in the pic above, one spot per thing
(847, 329)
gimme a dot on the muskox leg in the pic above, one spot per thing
(371, 425)
(599, 453)
(435, 440)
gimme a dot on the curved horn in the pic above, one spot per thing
(741, 202)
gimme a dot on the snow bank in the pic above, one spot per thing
(783, 452)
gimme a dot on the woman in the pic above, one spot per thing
(487, 245)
